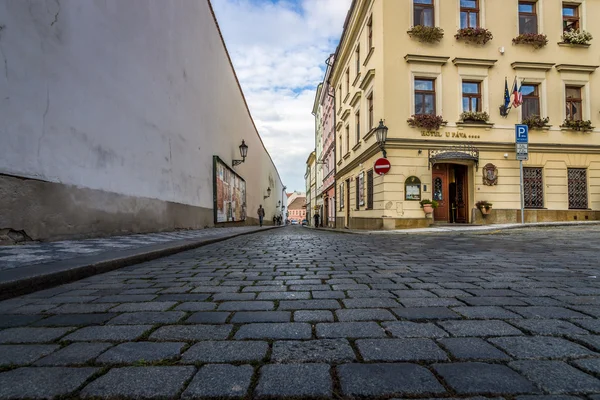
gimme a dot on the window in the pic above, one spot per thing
(340, 95)
(423, 12)
(424, 96)
(527, 17)
(574, 103)
(370, 107)
(348, 81)
(347, 139)
(370, 34)
(357, 200)
(533, 188)
(578, 194)
(341, 195)
(531, 100)
(570, 14)
(357, 127)
(341, 147)
(357, 55)
(469, 14)
(471, 97)
(370, 189)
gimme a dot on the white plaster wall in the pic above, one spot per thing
(132, 97)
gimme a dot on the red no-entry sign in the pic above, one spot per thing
(382, 166)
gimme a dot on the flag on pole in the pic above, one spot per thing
(506, 94)
(518, 96)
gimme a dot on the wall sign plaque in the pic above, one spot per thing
(490, 175)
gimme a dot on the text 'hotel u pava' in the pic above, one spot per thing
(450, 79)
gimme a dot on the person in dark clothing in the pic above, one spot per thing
(316, 218)
(261, 214)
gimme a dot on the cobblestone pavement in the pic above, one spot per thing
(44, 252)
(305, 313)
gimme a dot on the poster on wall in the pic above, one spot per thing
(229, 193)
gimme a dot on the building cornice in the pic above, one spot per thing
(576, 68)
(421, 59)
(532, 65)
(473, 62)
(356, 98)
(345, 114)
(369, 76)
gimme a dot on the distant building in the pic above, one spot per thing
(297, 209)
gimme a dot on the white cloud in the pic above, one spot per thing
(278, 49)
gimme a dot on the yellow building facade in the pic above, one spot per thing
(389, 68)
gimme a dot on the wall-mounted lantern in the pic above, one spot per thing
(243, 153)
(268, 193)
(381, 136)
(279, 204)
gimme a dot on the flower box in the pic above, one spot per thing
(577, 37)
(427, 34)
(575, 125)
(474, 35)
(426, 121)
(536, 122)
(537, 40)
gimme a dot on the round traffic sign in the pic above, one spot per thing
(382, 166)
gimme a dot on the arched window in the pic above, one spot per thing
(412, 188)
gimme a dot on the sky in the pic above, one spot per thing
(278, 49)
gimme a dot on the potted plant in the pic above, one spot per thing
(426, 121)
(427, 34)
(474, 116)
(484, 206)
(577, 125)
(474, 35)
(577, 37)
(536, 122)
(428, 205)
(537, 40)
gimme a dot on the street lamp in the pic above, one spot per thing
(243, 153)
(279, 204)
(381, 136)
(268, 193)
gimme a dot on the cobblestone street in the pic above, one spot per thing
(295, 312)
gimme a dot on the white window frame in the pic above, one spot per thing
(541, 82)
(484, 87)
(586, 111)
(437, 76)
(482, 21)
(436, 13)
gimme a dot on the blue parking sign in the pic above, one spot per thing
(522, 133)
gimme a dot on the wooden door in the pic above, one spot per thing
(461, 175)
(440, 192)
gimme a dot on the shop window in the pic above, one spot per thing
(574, 102)
(469, 14)
(531, 100)
(528, 22)
(570, 14)
(578, 191)
(471, 96)
(423, 13)
(412, 188)
(425, 96)
(533, 187)
(370, 189)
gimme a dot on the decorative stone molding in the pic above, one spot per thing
(421, 59)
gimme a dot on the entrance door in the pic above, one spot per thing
(460, 175)
(440, 192)
(347, 205)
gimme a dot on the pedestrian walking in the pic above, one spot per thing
(261, 214)
(316, 217)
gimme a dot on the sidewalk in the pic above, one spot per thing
(34, 266)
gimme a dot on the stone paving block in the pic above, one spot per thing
(370, 314)
(593, 311)
(403, 294)
(540, 301)
(557, 376)
(493, 301)
(125, 298)
(485, 312)
(147, 306)
(370, 294)
(74, 354)
(302, 288)
(208, 317)
(234, 296)
(328, 295)
(480, 378)
(493, 292)
(297, 380)
(547, 397)
(24, 354)
(290, 330)
(548, 327)
(141, 318)
(243, 317)
(407, 329)
(225, 352)
(182, 297)
(400, 350)
(309, 305)
(370, 303)
(196, 306)
(387, 379)
(67, 299)
(430, 302)
(108, 333)
(133, 352)
(221, 381)
(541, 347)
(42, 383)
(75, 319)
(139, 383)
(192, 332)
(283, 296)
(546, 312)
(425, 313)
(33, 309)
(350, 286)
(83, 308)
(450, 293)
(32, 335)
(12, 321)
(592, 325)
(472, 349)
(479, 328)
(590, 365)
(349, 330)
(313, 316)
(303, 282)
(319, 351)
(216, 289)
(246, 306)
